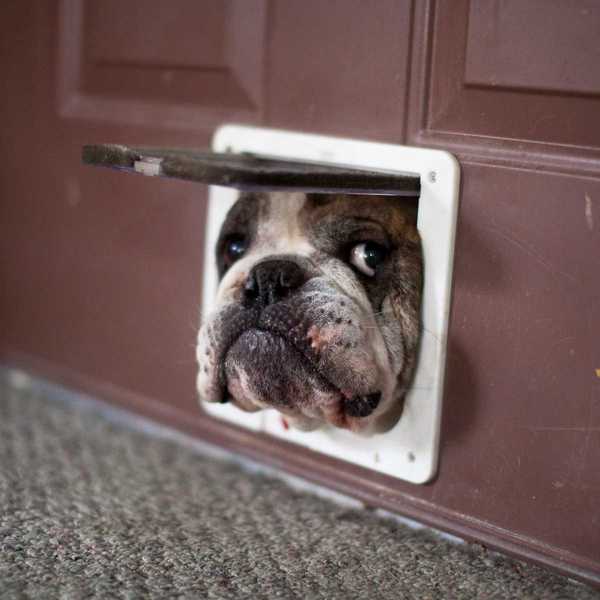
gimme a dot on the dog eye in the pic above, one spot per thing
(366, 256)
(234, 248)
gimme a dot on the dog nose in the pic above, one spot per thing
(272, 281)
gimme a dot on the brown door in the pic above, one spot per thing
(101, 272)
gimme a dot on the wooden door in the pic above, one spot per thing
(101, 272)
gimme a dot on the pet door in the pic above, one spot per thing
(248, 158)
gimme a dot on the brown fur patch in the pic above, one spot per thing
(396, 214)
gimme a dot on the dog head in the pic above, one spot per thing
(317, 309)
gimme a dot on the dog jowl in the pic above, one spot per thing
(317, 309)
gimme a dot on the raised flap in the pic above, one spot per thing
(251, 172)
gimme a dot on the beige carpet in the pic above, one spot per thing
(92, 509)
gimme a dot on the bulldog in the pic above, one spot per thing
(318, 309)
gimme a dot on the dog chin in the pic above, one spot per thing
(264, 370)
(268, 370)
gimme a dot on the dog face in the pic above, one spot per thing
(317, 309)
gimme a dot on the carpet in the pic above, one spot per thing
(91, 508)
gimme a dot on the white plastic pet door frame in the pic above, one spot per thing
(410, 450)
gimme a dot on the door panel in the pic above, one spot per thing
(528, 70)
(151, 65)
(467, 93)
(534, 45)
(101, 272)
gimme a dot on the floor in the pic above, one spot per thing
(93, 508)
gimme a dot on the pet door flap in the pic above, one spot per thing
(251, 172)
